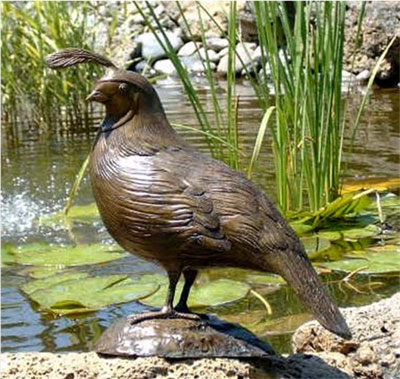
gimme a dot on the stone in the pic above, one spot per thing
(348, 77)
(212, 55)
(218, 9)
(217, 44)
(92, 365)
(371, 353)
(181, 338)
(144, 67)
(244, 51)
(256, 55)
(380, 25)
(195, 64)
(223, 52)
(199, 68)
(364, 76)
(265, 73)
(165, 66)
(151, 49)
(189, 48)
(247, 22)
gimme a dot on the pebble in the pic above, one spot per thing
(244, 51)
(199, 68)
(223, 52)
(165, 66)
(212, 55)
(217, 44)
(189, 49)
(363, 76)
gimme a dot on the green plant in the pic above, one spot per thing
(307, 77)
(302, 47)
(221, 128)
(30, 91)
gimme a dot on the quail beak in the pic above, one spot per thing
(97, 96)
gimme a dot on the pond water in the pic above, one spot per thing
(37, 174)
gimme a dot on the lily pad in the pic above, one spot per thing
(213, 293)
(41, 272)
(315, 244)
(7, 256)
(219, 292)
(47, 255)
(351, 234)
(265, 279)
(41, 284)
(79, 293)
(78, 213)
(371, 261)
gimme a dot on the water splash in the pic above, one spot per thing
(18, 213)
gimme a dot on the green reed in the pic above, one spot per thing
(302, 47)
(221, 127)
(305, 56)
(32, 92)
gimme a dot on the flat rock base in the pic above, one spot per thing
(94, 366)
(181, 338)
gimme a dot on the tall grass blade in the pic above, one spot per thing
(259, 140)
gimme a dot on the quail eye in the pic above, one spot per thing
(123, 87)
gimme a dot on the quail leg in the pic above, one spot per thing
(190, 277)
(167, 311)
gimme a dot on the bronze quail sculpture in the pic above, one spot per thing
(164, 201)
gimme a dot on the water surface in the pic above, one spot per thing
(39, 169)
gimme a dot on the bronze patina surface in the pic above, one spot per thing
(163, 200)
(180, 338)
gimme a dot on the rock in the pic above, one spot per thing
(265, 74)
(194, 64)
(244, 50)
(189, 49)
(348, 77)
(217, 44)
(247, 22)
(145, 68)
(181, 338)
(363, 76)
(223, 52)
(91, 365)
(381, 24)
(218, 9)
(222, 67)
(165, 66)
(151, 49)
(256, 55)
(212, 55)
(371, 353)
(199, 68)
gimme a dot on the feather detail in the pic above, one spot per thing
(72, 56)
